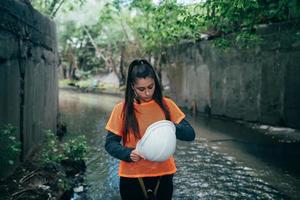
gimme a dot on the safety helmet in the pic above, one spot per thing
(158, 142)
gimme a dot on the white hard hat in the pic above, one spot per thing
(158, 142)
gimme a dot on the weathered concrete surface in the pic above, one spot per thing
(28, 73)
(259, 84)
(189, 75)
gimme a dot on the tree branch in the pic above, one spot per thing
(53, 13)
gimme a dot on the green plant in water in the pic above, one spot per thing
(51, 153)
(75, 149)
(10, 147)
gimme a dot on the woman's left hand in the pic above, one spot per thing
(135, 156)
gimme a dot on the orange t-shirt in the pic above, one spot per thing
(146, 114)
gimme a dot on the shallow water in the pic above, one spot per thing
(226, 161)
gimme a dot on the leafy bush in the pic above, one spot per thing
(222, 43)
(10, 147)
(64, 184)
(64, 82)
(84, 83)
(83, 74)
(51, 153)
(54, 153)
(75, 149)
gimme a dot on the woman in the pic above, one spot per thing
(143, 105)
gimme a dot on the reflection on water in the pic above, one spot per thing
(205, 173)
(214, 166)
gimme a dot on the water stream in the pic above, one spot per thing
(228, 160)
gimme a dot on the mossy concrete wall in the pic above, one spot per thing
(28, 73)
(260, 84)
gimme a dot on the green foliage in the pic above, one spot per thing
(10, 147)
(233, 15)
(246, 40)
(150, 28)
(51, 7)
(166, 24)
(280, 10)
(51, 153)
(230, 15)
(54, 152)
(66, 82)
(74, 40)
(243, 40)
(222, 43)
(84, 84)
(93, 43)
(241, 17)
(75, 149)
(83, 74)
(64, 184)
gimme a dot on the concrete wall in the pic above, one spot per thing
(256, 84)
(189, 74)
(28, 72)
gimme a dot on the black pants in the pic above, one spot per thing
(130, 188)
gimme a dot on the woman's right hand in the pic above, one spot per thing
(135, 156)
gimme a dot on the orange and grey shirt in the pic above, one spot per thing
(146, 114)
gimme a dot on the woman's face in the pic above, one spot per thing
(144, 88)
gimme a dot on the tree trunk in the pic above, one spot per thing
(158, 69)
(122, 75)
(72, 60)
(106, 55)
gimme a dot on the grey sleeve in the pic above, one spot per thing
(184, 131)
(114, 147)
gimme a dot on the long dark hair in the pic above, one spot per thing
(139, 69)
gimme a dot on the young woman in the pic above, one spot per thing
(144, 104)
